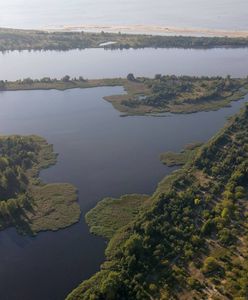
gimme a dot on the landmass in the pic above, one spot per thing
(17, 39)
(110, 214)
(154, 29)
(161, 94)
(178, 94)
(172, 159)
(27, 203)
(190, 240)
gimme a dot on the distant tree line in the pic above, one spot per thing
(13, 39)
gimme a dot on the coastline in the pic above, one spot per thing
(130, 104)
(113, 37)
(39, 206)
(182, 192)
(151, 29)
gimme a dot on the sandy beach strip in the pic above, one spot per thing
(152, 29)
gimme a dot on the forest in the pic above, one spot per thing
(17, 155)
(191, 242)
(16, 39)
(25, 202)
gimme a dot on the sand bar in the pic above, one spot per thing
(152, 29)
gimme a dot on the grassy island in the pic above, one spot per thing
(191, 239)
(161, 94)
(25, 202)
(16, 39)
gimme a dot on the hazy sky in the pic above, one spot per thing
(227, 14)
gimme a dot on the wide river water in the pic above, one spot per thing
(99, 63)
(227, 14)
(101, 153)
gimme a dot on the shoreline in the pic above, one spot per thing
(110, 37)
(165, 204)
(129, 103)
(151, 30)
(40, 206)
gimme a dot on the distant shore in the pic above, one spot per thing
(67, 38)
(153, 29)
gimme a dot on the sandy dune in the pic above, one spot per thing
(153, 29)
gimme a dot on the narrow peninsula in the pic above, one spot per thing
(161, 94)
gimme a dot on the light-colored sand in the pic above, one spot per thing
(153, 29)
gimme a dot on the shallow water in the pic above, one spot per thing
(101, 153)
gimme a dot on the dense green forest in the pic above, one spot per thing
(24, 201)
(191, 242)
(15, 39)
(18, 154)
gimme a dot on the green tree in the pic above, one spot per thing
(210, 265)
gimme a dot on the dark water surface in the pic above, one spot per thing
(101, 153)
(100, 63)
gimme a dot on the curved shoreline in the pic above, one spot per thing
(152, 29)
(130, 104)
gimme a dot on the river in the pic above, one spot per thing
(101, 153)
(221, 14)
(100, 63)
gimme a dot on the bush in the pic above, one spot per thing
(211, 265)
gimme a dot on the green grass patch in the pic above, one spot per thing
(55, 206)
(111, 214)
(171, 159)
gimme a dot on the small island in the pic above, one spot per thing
(27, 203)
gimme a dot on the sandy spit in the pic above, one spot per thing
(152, 29)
